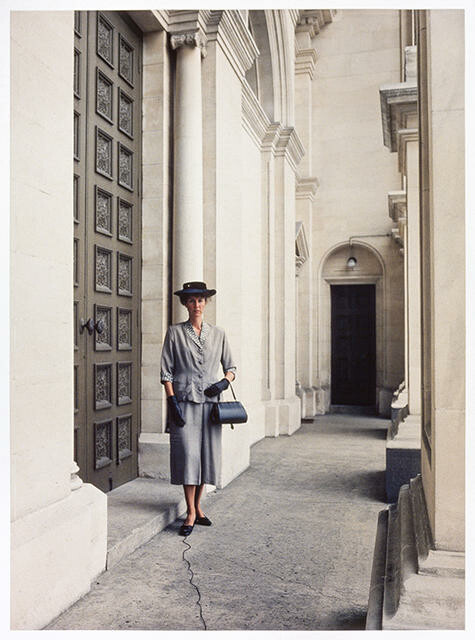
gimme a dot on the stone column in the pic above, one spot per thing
(306, 186)
(188, 164)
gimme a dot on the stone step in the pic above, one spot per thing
(376, 590)
(422, 588)
(137, 511)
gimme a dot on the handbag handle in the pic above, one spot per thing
(234, 396)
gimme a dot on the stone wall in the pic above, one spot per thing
(356, 54)
(59, 526)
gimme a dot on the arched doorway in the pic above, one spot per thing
(351, 328)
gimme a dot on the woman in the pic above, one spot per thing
(191, 355)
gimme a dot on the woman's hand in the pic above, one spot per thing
(175, 413)
(217, 387)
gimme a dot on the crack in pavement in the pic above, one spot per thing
(198, 602)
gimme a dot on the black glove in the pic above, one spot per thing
(174, 411)
(217, 387)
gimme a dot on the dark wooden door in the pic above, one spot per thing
(353, 345)
(107, 245)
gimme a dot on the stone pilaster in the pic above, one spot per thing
(399, 109)
(283, 411)
(306, 186)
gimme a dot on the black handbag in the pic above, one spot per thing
(228, 412)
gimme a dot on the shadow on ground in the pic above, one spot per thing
(345, 620)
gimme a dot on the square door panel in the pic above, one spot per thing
(102, 386)
(124, 329)
(124, 274)
(124, 220)
(103, 269)
(125, 113)
(103, 339)
(104, 96)
(126, 60)
(125, 169)
(124, 436)
(104, 159)
(105, 39)
(102, 443)
(124, 383)
(103, 211)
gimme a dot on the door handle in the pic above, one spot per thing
(99, 326)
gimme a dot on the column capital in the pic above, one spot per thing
(189, 39)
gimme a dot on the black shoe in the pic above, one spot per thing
(206, 522)
(185, 529)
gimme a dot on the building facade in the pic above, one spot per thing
(245, 149)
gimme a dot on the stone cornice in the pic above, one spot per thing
(397, 205)
(254, 119)
(227, 27)
(404, 136)
(186, 28)
(398, 101)
(270, 137)
(305, 62)
(183, 20)
(289, 146)
(153, 20)
(313, 20)
(306, 188)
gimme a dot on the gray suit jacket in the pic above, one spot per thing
(192, 363)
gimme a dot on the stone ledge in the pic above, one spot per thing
(403, 456)
(422, 588)
(137, 511)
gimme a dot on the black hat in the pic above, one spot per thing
(194, 288)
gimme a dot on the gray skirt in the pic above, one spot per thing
(195, 448)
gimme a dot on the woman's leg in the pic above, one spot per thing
(198, 494)
(190, 491)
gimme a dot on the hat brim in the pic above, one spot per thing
(207, 293)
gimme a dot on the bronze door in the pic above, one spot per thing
(107, 258)
(353, 345)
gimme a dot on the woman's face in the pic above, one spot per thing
(195, 306)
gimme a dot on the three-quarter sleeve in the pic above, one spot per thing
(167, 364)
(227, 358)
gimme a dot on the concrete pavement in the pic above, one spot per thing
(290, 547)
